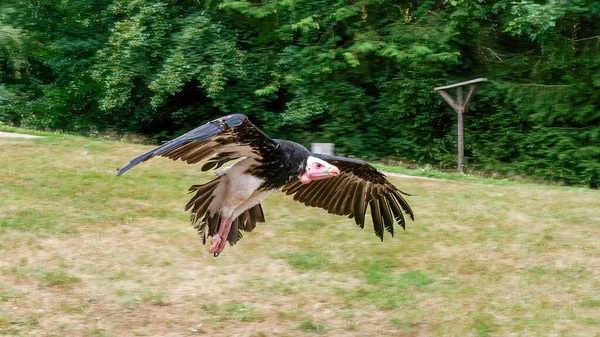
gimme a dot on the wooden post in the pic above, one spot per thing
(460, 106)
(460, 136)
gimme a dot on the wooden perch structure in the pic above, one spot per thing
(460, 106)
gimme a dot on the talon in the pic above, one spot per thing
(216, 254)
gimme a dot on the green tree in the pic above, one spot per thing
(356, 73)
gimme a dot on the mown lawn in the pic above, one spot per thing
(86, 253)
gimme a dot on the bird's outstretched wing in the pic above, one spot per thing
(359, 184)
(227, 138)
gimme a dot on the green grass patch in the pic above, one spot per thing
(384, 298)
(98, 332)
(17, 324)
(233, 311)
(289, 315)
(310, 326)
(9, 294)
(54, 277)
(32, 220)
(380, 272)
(386, 290)
(155, 298)
(589, 303)
(310, 260)
(414, 278)
(46, 276)
(484, 324)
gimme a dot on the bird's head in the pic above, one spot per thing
(317, 169)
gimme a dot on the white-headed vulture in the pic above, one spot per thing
(230, 203)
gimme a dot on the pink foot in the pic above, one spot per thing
(217, 243)
(214, 243)
(223, 243)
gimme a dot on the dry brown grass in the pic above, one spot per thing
(84, 253)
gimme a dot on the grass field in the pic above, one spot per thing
(86, 253)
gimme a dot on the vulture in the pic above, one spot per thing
(231, 202)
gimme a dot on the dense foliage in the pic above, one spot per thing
(356, 73)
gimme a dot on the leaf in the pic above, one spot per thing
(268, 90)
(351, 59)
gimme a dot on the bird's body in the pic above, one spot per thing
(238, 190)
(231, 202)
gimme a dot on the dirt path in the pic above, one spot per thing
(16, 135)
(400, 175)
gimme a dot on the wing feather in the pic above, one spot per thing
(232, 133)
(195, 155)
(330, 194)
(218, 160)
(358, 186)
(303, 194)
(376, 215)
(338, 203)
(313, 193)
(323, 187)
(403, 203)
(396, 210)
(292, 187)
(386, 214)
(319, 198)
(360, 204)
(348, 198)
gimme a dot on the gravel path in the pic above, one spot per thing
(400, 175)
(16, 135)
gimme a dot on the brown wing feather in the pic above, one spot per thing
(338, 200)
(292, 187)
(386, 214)
(358, 186)
(233, 134)
(348, 198)
(376, 215)
(360, 204)
(315, 192)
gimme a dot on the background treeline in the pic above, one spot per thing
(356, 73)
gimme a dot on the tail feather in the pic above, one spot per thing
(203, 192)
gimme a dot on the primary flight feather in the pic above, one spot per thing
(230, 203)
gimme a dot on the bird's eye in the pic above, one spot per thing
(319, 165)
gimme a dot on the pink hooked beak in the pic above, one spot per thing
(334, 171)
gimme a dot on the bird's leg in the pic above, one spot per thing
(217, 243)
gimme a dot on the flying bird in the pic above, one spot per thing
(230, 203)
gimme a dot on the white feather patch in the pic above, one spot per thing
(237, 190)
